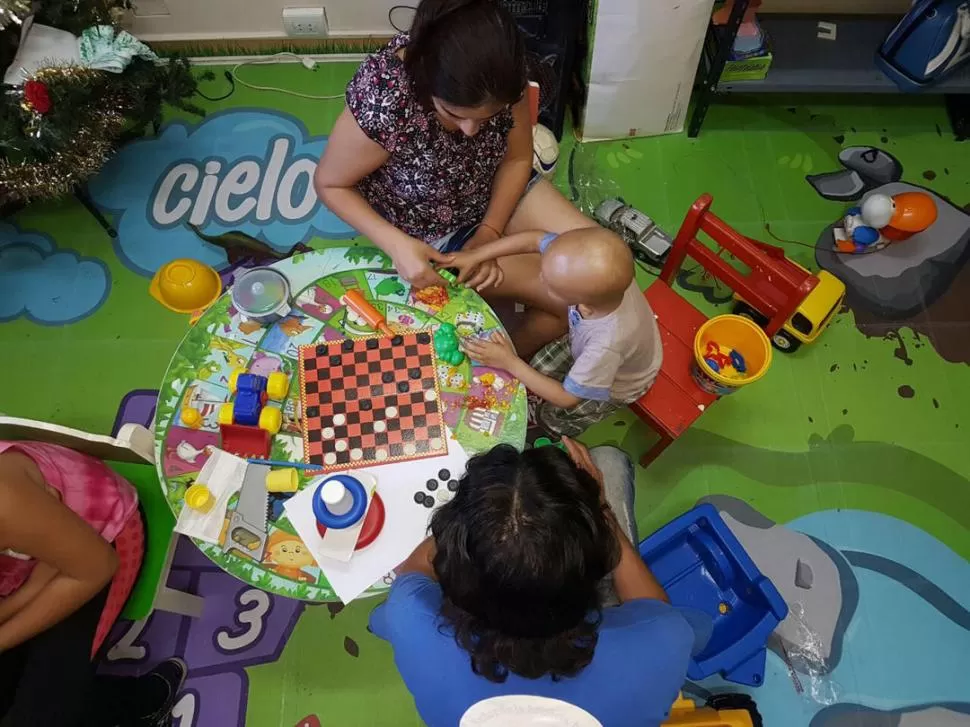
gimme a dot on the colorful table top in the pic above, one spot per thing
(482, 406)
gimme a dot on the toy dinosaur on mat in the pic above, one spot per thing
(239, 246)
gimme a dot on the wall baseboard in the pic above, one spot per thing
(354, 47)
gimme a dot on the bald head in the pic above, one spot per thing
(588, 266)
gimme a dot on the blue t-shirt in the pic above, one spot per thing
(638, 668)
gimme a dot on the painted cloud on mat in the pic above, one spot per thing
(248, 170)
(45, 284)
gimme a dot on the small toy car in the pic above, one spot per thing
(252, 392)
(648, 242)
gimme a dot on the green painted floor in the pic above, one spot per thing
(832, 427)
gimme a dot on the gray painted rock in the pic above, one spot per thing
(855, 715)
(807, 577)
(904, 278)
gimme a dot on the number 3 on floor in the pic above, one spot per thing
(252, 619)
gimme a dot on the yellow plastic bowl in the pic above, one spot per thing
(185, 286)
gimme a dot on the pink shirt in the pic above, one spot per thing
(98, 495)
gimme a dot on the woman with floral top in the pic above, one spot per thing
(433, 153)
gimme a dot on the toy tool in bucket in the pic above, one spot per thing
(729, 352)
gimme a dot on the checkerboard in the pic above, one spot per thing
(370, 400)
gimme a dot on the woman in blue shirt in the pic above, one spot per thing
(531, 588)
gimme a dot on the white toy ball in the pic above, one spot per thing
(877, 210)
(545, 150)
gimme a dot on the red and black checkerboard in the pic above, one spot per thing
(348, 388)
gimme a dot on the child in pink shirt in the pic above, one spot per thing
(60, 512)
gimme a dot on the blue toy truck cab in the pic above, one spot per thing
(250, 399)
(701, 565)
(251, 393)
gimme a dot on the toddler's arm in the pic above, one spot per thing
(498, 353)
(517, 244)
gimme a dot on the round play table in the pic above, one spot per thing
(482, 406)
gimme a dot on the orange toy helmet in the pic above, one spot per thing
(913, 212)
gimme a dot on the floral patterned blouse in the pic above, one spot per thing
(435, 181)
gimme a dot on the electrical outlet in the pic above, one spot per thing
(305, 22)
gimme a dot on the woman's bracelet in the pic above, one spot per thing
(489, 227)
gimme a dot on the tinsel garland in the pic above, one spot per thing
(48, 149)
(27, 181)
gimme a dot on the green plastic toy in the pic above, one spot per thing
(447, 346)
(546, 442)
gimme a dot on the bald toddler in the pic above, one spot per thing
(612, 353)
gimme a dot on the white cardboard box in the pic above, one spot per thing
(642, 66)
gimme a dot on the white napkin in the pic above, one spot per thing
(223, 474)
(405, 522)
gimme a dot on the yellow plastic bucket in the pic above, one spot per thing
(723, 342)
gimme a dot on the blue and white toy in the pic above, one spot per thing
(339, 502)
(861, 225)
(702, 566)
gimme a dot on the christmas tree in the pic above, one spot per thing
(62, 124)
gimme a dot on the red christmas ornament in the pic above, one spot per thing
(35, 93)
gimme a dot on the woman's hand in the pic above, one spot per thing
(414, 259)
(579, 454)
(496, 351)
(477, 273)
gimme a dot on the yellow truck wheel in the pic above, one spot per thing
(271, 419)
(234, 379)
(225, 414)
(277, 385)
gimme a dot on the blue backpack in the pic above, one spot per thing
(930, 42)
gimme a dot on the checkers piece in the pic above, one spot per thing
(371, 396)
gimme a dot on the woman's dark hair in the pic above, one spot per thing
(520, 551)
(466, 52)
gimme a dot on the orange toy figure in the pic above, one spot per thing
(912, 212)
(355, 300)
(287, 556)
(248, 326)
(293, 327)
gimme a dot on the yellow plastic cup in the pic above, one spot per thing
(185, 285)
(283, 480)
(199, 497)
